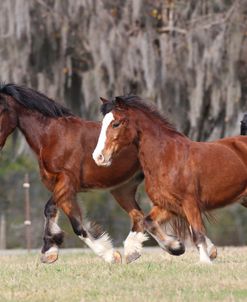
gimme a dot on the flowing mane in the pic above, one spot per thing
(35, 100)
(133, 101)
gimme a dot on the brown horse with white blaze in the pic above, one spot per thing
(182, 177)
(63, 144)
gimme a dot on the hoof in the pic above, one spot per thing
(132, 257)
(117, 257)
(49, 257)
(176, 249)
(213, 253)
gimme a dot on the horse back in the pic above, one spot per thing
(237, 144)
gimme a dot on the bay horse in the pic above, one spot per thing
(182, 177)
(63, 144)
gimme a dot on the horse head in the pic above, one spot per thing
(116, 131)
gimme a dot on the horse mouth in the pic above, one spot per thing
(101, 160)
(105, 163)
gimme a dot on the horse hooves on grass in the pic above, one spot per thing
(117, 257)
(132, 257)
(213, 253)
(49, 258)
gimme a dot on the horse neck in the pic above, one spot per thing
(32, 125)
(157, 141)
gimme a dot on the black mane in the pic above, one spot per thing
(136, 102)
(35, 100)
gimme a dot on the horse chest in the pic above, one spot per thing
(47, 178)
(160, 192)
(164, 179)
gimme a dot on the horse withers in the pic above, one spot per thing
(182, 177)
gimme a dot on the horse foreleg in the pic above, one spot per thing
(93, 237)
(97, 240)
(53, 235)
(125, 196)
(152, 223)
(194, 218)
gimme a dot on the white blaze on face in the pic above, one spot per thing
(102, 137)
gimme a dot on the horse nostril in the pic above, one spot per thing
(100, 157)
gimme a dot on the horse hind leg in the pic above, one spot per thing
(193, 216)
(93, 236)
(100, 242)
(53, 235)
(133, 244)
(152, 222)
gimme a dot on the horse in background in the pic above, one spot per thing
(182, 177)
(243, 127)
(63, 144)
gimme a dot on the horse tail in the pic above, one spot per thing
(243, 127)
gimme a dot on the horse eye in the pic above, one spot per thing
(115, 125)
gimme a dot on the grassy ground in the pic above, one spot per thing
(154, 277)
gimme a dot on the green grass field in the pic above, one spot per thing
(154, 277)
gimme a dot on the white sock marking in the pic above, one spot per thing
(101, 246)
(210, 244)
(133, 243)
(52, 250)
(204, 258)
(54, 228)
(102, 137)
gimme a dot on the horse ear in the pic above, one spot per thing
(104, 101)
(120, 103)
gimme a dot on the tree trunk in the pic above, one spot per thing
(186, 56)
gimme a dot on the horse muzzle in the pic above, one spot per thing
(102, 160)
